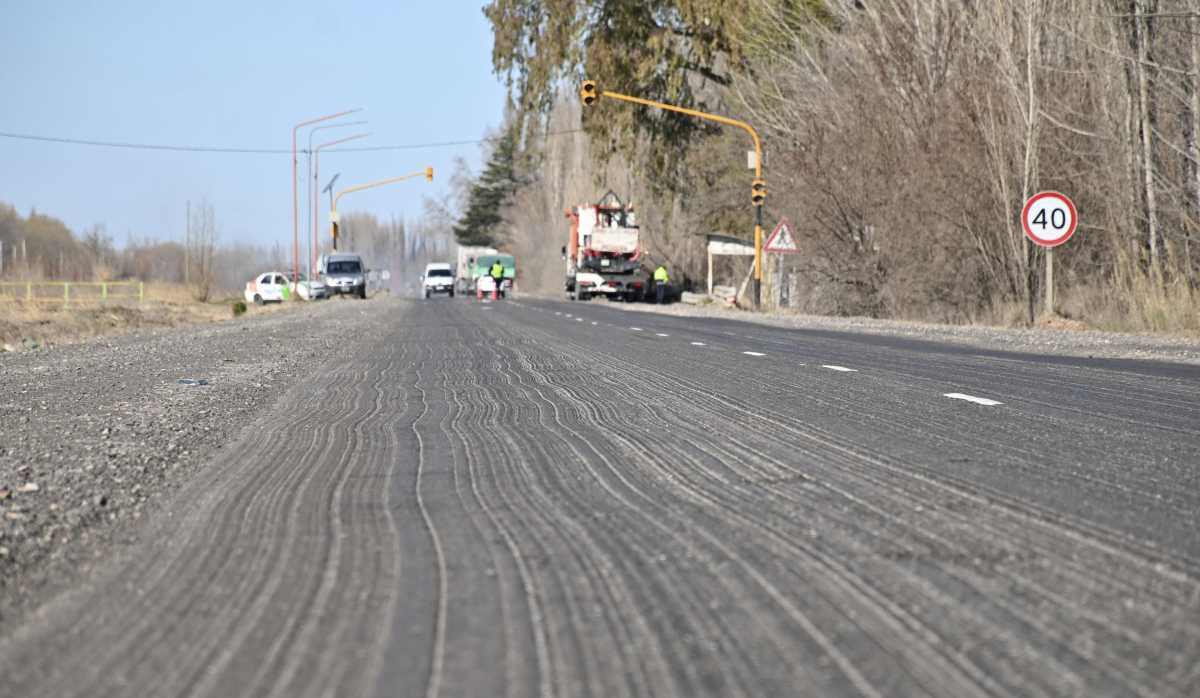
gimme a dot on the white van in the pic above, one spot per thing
(438, 278)
(343, 274)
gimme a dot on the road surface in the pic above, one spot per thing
(531, 498)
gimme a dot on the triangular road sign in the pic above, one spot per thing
(781, 239)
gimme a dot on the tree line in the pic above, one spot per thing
(902, 137)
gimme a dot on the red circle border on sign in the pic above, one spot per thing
(1059, 240)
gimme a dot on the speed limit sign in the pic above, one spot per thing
(1049, 219)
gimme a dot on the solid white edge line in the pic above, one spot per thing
(843, 369)
(986, 402)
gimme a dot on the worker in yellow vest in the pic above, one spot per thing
(497, 274)
(660, 283)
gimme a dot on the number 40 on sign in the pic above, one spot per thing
(1049, 219)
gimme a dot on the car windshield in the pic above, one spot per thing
(347, 267)
(439, 272)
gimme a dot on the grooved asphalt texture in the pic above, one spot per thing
(501, 499)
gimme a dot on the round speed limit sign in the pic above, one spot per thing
(1049, 219)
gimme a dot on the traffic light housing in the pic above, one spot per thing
(758, 192)
(589, 93)
(429, 174)
(335, 233)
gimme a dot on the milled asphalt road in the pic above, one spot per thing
(537, 498)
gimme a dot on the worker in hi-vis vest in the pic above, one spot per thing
(497, 274)
(660, 283)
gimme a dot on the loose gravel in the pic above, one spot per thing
(93, 435)
(1038, 340)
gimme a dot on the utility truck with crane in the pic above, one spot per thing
(603, 251)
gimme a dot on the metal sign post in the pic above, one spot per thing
(1049, 220)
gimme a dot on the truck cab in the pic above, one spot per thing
(603, 251)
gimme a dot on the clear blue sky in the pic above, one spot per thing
(236, 74)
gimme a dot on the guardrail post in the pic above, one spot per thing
(141, 291)
(103, 291)
(66, 294)
(28, 291)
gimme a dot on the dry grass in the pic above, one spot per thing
(166, 305)
(1136, 304)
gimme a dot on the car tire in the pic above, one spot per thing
(362, 293)
(451, 293)
(426, 294)
(258, 300)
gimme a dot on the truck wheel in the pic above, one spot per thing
(258, 299)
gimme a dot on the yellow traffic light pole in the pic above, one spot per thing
(333, 214)
(758, 188)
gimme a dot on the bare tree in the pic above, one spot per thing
(201, 252)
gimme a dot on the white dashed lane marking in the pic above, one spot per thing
(987, 402)
(843, 369)
(753, 353)
(660, 334)
(699, 344)
(636, 329)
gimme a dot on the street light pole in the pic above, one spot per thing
(590, 93)
(333, 214)
(295, 189)
(316, 178)
(312, 186)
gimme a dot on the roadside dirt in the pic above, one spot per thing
(93, 434)
(24, 327)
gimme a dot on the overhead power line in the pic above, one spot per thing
(255, 151)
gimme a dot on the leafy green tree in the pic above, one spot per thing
(657, 49)
(488, 195)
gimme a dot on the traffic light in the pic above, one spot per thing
(758, 192)
(335, 234)
(589, 93)
(429, 174)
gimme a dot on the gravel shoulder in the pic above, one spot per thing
(1039, 340)
(94, 435)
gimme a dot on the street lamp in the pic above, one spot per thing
(316, 177)
(312, 188)
(333, 214)
(589, 93)
(295, 189)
